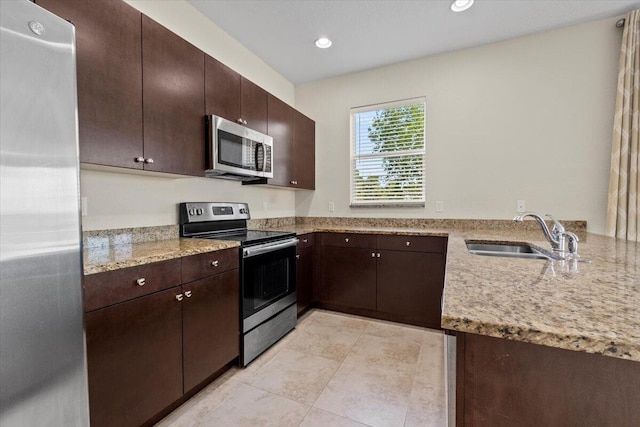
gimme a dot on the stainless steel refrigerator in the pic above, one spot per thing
(43, 379)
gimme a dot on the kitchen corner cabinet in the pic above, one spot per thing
(151, 339)
(109, 76)
(304, 272)
(173, 96)
(397, 278)
(231, 96)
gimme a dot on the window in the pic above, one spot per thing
(388, 154)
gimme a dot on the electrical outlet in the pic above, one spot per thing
(265, 206)
(83, 206)
(332, 207)
(439, 206)
(520, 207)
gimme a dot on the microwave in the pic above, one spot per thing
(237, 152)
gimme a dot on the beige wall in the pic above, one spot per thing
(116, 199)
(530, 119)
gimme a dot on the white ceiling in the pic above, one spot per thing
(372, 33)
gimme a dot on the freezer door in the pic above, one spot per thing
(42, 348)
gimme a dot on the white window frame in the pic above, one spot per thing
(352, 156)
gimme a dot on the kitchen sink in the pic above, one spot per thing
(505, 249)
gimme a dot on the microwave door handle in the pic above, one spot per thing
(264, 157)
(258, 147)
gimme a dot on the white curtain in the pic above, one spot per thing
(623, 210)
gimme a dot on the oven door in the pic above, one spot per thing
(268, 281)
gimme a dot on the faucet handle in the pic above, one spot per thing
(572, 243)
(558, 228)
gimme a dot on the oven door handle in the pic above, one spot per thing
(268, 247)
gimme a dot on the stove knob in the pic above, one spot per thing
(200, 211)
(192, 212)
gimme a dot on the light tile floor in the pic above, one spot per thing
(332, 370)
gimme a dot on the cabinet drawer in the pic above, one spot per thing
(112, 287)
(202, 265)
(412, 243)
(305, 241)
(352, 240)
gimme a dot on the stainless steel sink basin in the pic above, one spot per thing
(509, 250)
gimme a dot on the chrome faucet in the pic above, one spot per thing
(557, 237)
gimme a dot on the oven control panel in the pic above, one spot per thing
(212, 211)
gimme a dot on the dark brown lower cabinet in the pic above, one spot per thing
(304, 278)
(348, 277)
(391, 277)
(508, 383)
(410, 286)
(134, 357)
(211, 326)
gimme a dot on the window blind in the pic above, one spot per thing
(388, 154)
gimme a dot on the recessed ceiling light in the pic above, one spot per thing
(323, 43)
(461, 5)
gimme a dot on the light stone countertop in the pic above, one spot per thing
(590, 307)
(107, 257)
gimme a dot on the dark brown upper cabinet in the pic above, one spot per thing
(222, 90)
(109, 74)
(304, 151)
(253, 106)
(173, 96)
(293, 145)
(231, 96)
(280, 127)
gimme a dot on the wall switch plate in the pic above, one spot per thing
(332, 207)
(439, 206)
(520, 206)
(83, 206)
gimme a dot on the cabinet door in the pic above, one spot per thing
(109, 74)
(222, 90)
(253, 105)
(173, 87)
(304, 149)
(348, 277)
(134, 359)
(280, 127)
(304, 278)
(410, 285)
(211, 326)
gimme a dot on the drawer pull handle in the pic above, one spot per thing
(378, 254)
(215, 263)
(149, 160)
(139, 159)
(141, 281)
(297, 256)
(305, 240)
(373, 255)
(346, 240)
(408, 243)
(179, 297)
(187, 294)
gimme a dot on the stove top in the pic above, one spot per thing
(249, 237)
(223, 221)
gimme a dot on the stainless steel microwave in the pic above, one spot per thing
(237, 152)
